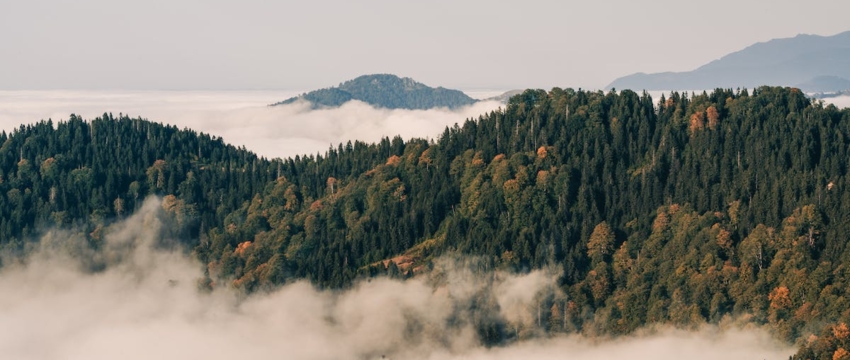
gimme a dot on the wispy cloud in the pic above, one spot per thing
(146, 304)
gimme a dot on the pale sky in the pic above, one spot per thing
(303, 45)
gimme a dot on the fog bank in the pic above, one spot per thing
(145, 304)
(240, 117)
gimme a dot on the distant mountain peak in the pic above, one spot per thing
(385, 91)
(783, 62)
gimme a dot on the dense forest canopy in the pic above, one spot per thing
(385, 91)
(685, 210)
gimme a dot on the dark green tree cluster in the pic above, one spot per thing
(385, 91)
(89, 173)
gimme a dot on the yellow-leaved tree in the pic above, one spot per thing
(601, 242)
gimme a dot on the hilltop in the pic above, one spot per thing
(385, 91)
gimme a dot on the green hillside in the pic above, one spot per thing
(679, 211)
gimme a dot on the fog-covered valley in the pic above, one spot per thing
(143, 301)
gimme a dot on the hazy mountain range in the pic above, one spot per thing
(811, 62)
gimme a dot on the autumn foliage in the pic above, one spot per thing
(713, 117)
(697, 122)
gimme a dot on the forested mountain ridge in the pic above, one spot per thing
(682, 211)
(385, 91)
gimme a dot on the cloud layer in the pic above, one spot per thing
(146, 304)
(839, 101)
(241, 118)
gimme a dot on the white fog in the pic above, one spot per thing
(146, 305)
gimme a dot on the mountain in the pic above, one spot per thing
(725, 207)
(785, 62)
(385, 91)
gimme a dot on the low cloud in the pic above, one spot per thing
(144, 302)
(241, 118)
(288, 130)
(839, 101)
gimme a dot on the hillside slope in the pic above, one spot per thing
(683, 211)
